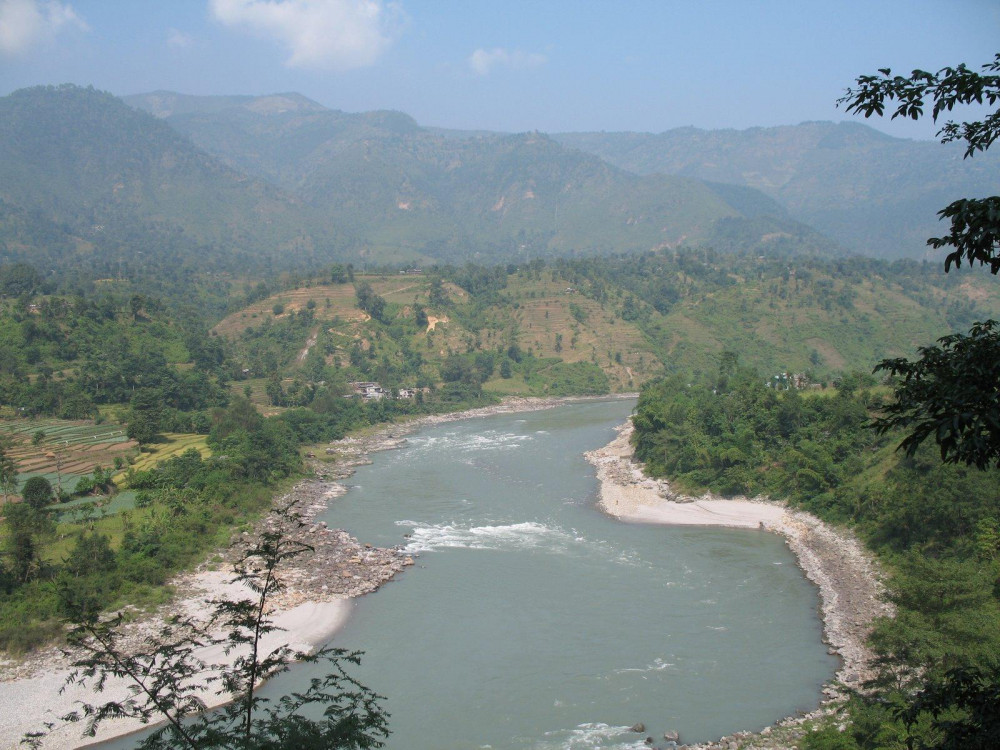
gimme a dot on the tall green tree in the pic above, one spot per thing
(952, 391)
(369, 301)
(8, 473)
(26, 527)
(37, 492)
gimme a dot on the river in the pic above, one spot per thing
(532, 620)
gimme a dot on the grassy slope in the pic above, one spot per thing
(820, 323)
(774, 333)
(533, 312)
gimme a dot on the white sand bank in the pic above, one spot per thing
(735, 513)
(846, 574)
(305, 628)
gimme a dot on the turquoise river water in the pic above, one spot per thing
(532, 620)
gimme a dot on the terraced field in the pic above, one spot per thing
(70, 448)
(173, 444)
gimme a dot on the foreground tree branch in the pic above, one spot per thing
(166, 678)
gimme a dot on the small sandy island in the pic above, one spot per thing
(846, 574)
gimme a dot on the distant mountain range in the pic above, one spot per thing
(874, 194)
(455, 196)
(271, 182)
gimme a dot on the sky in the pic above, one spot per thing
(548, 65)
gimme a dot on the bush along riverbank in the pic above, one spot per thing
(934, 527)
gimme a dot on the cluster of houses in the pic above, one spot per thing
(372, 391)
(783, 381)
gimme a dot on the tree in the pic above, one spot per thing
(456, 368)
(91, 554)
(975, 223)
(8, 474)
(370, 302)
(167, 675)
(951, 391)
(142, 426)
(37, 492)
(963, 706)
(437, 296)
(25, 526)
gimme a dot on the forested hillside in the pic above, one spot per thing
(625, 319)
(108, 183)
(872, 193)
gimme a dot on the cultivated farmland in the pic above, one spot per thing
(70, 448)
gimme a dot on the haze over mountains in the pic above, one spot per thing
(281, 181)
(874, 194)
(82, 175)
(454, 195)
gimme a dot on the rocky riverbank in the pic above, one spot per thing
(847, 575)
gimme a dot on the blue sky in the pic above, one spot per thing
(545, 65)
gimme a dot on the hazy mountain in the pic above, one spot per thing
(104, 173)
(436, 194)
(875, 194)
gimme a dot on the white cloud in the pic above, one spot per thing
(26, 23)
(482, 61)
(327, 34)
(178, 39)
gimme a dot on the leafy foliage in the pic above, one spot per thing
(963, 706)
(945, 89)
(952, 394)
(167, 678)
(975, 223)
(37, 492)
